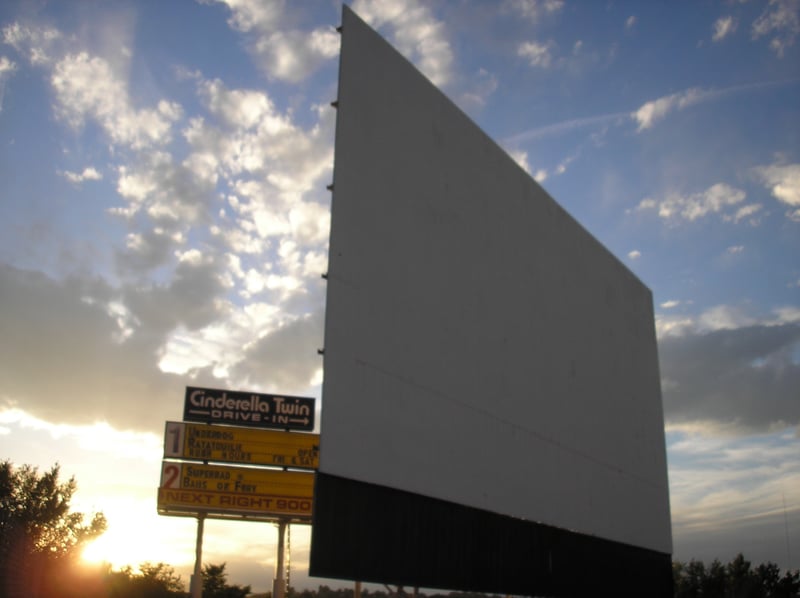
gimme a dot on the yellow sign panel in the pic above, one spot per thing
(230, 444)
(217, 489)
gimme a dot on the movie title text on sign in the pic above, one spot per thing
(228, 489)
(232, 444)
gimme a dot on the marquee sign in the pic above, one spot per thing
(251, 409)
(230, 444)
(226, 490)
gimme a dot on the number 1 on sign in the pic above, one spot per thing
(173, 439)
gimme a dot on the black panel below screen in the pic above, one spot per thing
(376, 534)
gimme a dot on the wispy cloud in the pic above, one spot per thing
(646, 116)
(7, 68)
(651, 112)
(723, 27)
(536, 53)
(656, 110)
(719, 198)
(521, 158)
(481, 86)
(783, 181)
(35, 42)
(89, 174)
(781, 21)
(534, 10)
(722, 484)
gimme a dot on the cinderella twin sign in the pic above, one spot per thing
(248, 409)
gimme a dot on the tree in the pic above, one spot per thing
(742, 582)
(215, 583)
(715, 580)
(153, 581)
(38, 532)
(737, 579)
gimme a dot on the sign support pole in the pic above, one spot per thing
(279, 583)
(196, 582)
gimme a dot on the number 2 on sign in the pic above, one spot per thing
(169, 475)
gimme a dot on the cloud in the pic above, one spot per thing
(7, 69)
(415, 32)
(482, 85)
(748, 212)
(241, 109)
(521, 158)
(646, 116)
(634, 254)
(253, 137)
(7, 66)
(721, 317)
(537, 54)
(725, 488)
(653, 111)
(90, 87)
(719, 198)
(783, 181)
(136, 347)
(723, 27)
(35, 42)
(534, 10)
(284, 53)
(89, 174)
(163, 200)
(286, 360)
(294, 55)
(193, 298)
(729, 369)
(781, 20)
(274, 172)
(87, 86)
(630, 22)
(267, 163)
(65, 329)
(729, 384)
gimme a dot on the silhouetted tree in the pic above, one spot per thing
(715, 580)
(737, 579)
(215, 583)
(153, 581)
(39, 535)
(768, 576)
(741, 581)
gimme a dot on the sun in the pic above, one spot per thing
(133, 540)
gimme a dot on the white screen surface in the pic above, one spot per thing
(480, 346)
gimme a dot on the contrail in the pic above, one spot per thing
(697, 95)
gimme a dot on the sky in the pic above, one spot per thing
(164, 222)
